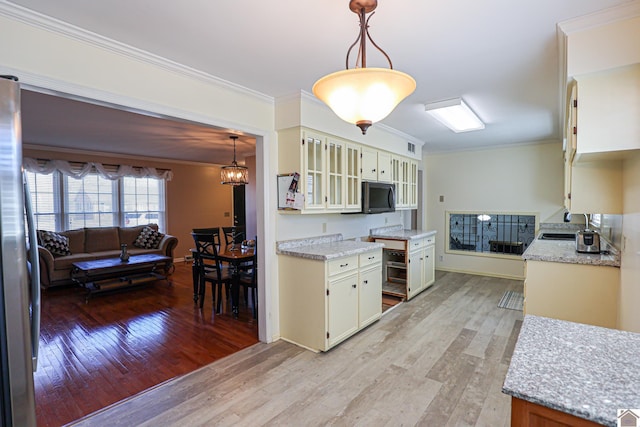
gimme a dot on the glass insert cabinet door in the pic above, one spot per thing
(314, 159)
(336, 165)
(353, 187)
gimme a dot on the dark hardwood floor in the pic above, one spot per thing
(95, 353)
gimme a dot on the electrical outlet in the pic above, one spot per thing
(324, 227)
(386, 220)
(227, 214)
(441, 258)
(441, 199)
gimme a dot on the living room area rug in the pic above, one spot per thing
(512, 300)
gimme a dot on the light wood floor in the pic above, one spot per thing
(438, 360)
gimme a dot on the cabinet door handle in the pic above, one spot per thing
(371, 257)
(365, 282)
(354, 286)
(373, 170)
(343, 265)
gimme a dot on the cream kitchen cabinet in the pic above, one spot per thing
(328, 166)
(376, 165)
(608, 106)
(421, 265)
(404, 174)
(409, 265)
(353, 196)
(370, 289)
(412, 202)
(594, 186)
(575, 292)
(324, 302)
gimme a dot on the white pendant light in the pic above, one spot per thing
(362, 95)
(234, 174)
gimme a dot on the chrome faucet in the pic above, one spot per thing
(586, 218)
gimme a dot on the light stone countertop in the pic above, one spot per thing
(324, 247)
(565, 251)
(586, 371)
(398, 233)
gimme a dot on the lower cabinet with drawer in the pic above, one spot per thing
(410, 266)
(322, 303)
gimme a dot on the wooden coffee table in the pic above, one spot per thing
(108, 274)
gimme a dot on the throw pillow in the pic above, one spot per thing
(148, 238)
(55, 243)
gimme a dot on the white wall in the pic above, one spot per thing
(630, 268)
(522, 178)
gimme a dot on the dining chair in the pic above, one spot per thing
(249, 280)
(234, 234)
(194, 267)
(209, 266)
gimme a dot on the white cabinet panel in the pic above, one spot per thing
(370, 296)
(343, 308)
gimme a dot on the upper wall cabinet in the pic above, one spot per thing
(589, 186)
(376, 165)
(332, 169)
(404, 174)
(608, 108)
(329, 169)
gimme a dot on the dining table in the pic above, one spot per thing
(237, 256)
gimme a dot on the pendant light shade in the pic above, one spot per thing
(362, 95)
(234, 174)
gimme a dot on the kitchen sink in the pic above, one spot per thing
(557, 236)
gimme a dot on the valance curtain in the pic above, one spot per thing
(79, 170)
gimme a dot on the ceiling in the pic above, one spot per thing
(500, 56)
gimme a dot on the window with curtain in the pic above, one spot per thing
(68, 196)
(45, 198)
(90, 202)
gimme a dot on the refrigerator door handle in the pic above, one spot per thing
(35, 273)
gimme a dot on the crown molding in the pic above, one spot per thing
(38, 20)
(601, 17)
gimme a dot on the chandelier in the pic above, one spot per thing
(234, 174)
(362, 95)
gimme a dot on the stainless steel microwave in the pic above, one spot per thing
(378, 197)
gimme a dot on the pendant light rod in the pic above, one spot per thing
(234, 137)
(361, 8)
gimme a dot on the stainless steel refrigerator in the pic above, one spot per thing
(19, 277)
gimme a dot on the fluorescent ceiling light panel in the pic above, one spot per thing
(455, 114)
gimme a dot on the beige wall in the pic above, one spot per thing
(195, 198)
(630, 270)
(523, 178)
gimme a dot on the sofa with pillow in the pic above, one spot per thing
(59, 250)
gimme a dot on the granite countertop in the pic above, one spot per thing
(324, 247)
(565, 251)
(399, 233)
(586, 371)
